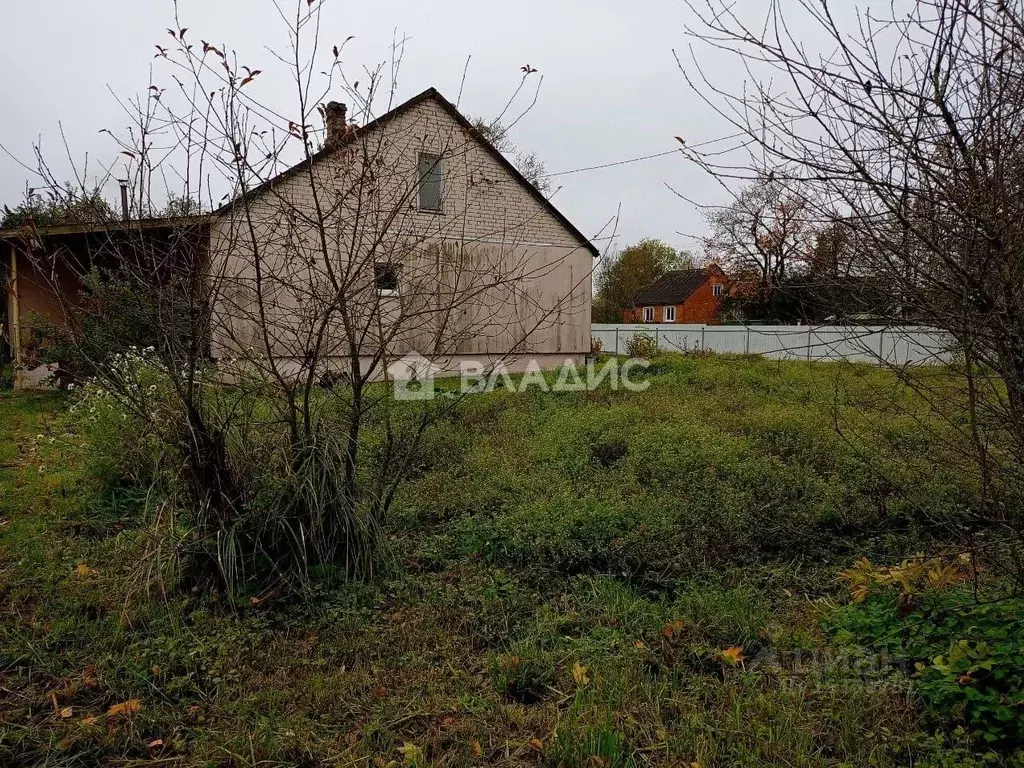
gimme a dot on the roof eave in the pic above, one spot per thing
(116, 225)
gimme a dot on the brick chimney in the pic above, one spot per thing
(335, 124)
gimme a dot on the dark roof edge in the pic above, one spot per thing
(114, 225)
(451, 109)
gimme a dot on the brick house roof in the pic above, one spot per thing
(451, 109)
(673, 287)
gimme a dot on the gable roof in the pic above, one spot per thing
(673, 287)
(427, 95)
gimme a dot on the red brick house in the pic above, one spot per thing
(680, 296)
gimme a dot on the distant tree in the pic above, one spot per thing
(61, 205)
(831, 254)
(527, 163)
(179, 205)
(625, 273)
(762, 239)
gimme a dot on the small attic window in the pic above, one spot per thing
(385, 278)
(718, 289)
(431, 175)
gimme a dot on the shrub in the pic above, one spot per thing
(965, 654)
(122, 445)
(282, 516)
(642, 345)
(118, 316)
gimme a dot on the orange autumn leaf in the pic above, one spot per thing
(733, 655)
(670, 629)
(537, 744)
(125, 708)
(88, 721)
(478, 751)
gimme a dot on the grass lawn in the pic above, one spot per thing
(595, 580)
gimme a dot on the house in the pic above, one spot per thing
(680, 296)
(409, 235)
(444, 250)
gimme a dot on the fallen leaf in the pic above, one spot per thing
(477, 750)
(155, 743)
(87, 721)
(66, 713)
(733, 655)
(537, 744)
(411, 753)
(125, 708)
(579, 674)
(670, 629)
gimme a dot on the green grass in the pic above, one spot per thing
(562, 577)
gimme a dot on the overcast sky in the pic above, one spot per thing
(611, 89)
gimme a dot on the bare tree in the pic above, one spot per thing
(762, 239)
(906, 130)
(528, 164)
(334, 257)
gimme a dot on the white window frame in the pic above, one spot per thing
(718, 290)
(668, 314)
(648, 314)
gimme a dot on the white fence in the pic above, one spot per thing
(860, 343)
